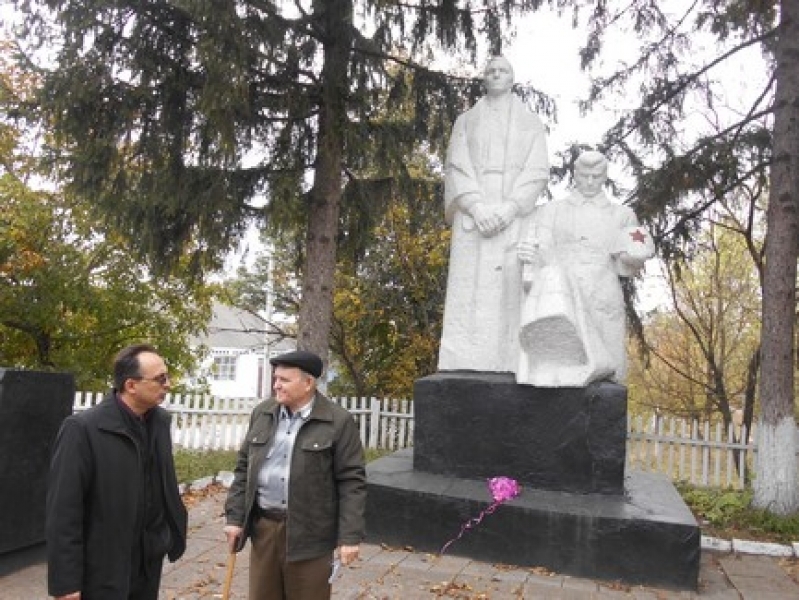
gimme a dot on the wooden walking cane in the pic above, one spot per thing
(231, 564)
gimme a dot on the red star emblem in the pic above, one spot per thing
(638, 236)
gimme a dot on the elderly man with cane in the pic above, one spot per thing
(299, 487)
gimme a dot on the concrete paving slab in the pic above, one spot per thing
(716, 586)
(23, 574)
(424, 562)
(562, 594)
(612, 594)
(544, 582)
(739, 565)
(758, 577)
(586, 585)
(480, 587)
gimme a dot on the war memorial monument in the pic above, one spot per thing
(531, 379)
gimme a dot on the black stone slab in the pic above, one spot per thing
(16, 560)
(32, 406)
(647, 536)
(568, 439)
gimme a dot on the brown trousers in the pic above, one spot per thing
(272, 578)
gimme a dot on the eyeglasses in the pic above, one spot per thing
(161, 379)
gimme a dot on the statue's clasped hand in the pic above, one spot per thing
(491, 221)
(506, 213)
(487, 221)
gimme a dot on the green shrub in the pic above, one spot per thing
(716, 506)
(785, 528)
(728, 514)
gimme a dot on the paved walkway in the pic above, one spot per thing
(399, 574)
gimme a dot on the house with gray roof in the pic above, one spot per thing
(238, 348)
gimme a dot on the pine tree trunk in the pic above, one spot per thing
(316, 308)
(776, 482)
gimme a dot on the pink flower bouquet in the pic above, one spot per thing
(502, 489)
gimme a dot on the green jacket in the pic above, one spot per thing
(327, 483)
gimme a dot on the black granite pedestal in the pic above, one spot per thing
(32, 406)
(477, 425)
(578, 513)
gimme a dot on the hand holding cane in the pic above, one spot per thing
(232, 533)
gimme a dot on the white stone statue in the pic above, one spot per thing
(573, 320)
(496, 168)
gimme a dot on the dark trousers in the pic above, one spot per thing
(272, 578)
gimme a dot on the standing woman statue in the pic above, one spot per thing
(496, 169)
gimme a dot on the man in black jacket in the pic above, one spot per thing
(113, 507)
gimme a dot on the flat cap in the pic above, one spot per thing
(307, 361)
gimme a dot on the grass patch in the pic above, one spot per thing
(375, 453)
(191, 465)
(728, 514)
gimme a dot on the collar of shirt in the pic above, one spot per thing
(304, 413)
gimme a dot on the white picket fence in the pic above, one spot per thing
(203, 422)
(694, 452)
(699, 453)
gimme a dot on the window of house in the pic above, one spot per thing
(224, 368)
